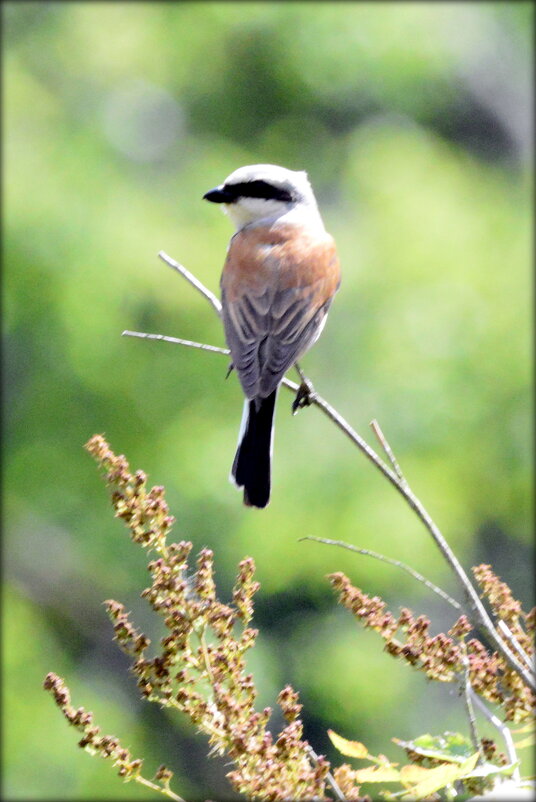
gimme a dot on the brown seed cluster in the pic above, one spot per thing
(518, 701)
(145, 513)
(200, 667)
(107, 746)
(441, 657)
(200, 670)
(345, 777)
(506, 608)
(490, 752)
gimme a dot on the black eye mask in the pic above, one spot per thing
(229, 193)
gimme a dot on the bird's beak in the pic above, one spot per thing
(219, 195)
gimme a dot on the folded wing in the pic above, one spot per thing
(276, 292)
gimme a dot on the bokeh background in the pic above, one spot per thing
(413, 121)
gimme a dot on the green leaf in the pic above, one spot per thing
(527, 727)
(530, 740)
(441, 776)
(486, 769)
(377, 774)
(452, 747)
(412, 774)
(348, 748)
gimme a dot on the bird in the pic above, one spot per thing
(279, 279)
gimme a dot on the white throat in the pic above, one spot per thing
(261, 212)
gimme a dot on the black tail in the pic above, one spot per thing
(251, 467)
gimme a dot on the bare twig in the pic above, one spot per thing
(478, 613)
(175, 340)
(161, 789)
(505, 732)
(396, 563)
(375, 426)
(192, 344)
(211, 298)
(467, 696)
(301, 374)
(329, 777)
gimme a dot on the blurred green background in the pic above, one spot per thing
(413, 121)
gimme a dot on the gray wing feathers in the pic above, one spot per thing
(267, 333)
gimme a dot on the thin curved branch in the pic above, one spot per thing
(175, 340)
(467, 691)
(478, 613)
(329, 776)
(143, 335)
(415, 574)
(375, 426)
(199, 286)
(505, 732)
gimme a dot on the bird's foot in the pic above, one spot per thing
(304, 397)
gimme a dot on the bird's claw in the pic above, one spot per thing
(304, 397)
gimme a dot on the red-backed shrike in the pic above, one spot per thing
(278, 282)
